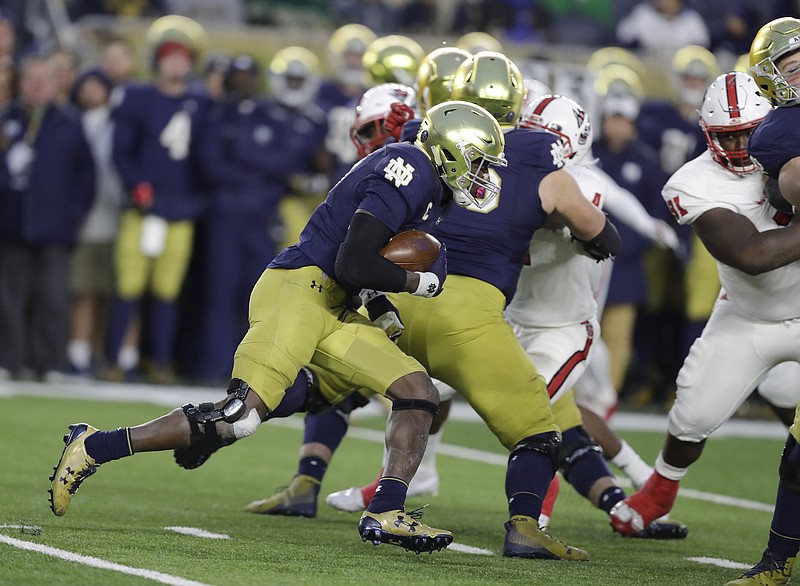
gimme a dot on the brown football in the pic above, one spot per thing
(412, 250)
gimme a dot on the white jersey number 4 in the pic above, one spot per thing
(176, 135)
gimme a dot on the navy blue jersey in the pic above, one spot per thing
(776, 141)
(155, 137)
(397, 184)
(636, 169)
(491, 244)
(307, 128)
(675, 139)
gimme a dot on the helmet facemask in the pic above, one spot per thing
(784, 93)
(467, 174)
(739, 160)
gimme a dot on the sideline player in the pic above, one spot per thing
(775, 63)
(300, 314)
(155, 140)
(754, 324)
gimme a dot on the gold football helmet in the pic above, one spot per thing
(618, 79)
(393, 58)
(694, 68)
(294, 76)
(492, 81)
(436, 73)
(463, 140)
(606, 56)
(774, 41)
(477, 41)
(346, 49)
(176, 29)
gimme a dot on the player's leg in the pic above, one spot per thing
(414, 405)
(778, 559)
(779, 389)
(323, 432)
(169, 271)
(465, 342)
(208, 426)
(583, 465)
(616, 449)
(132, 269)
(723, 367)
(360, 352)
(425, 481)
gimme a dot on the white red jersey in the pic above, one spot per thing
(560, 285)
(701, 185)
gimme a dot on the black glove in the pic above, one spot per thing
(382, 313)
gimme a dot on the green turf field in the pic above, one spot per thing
(120, 514)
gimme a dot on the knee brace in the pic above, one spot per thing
(222, 426)
(789, 469)
(544, 443)
(577, 445)
(418, 404)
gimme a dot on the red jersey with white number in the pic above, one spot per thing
(559, 285)
(702, 184)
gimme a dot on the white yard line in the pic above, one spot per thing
(469, 549)
(719, 562)
(196, 532)
(98, 563)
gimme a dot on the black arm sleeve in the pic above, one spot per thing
(604, 245)
(358, 264)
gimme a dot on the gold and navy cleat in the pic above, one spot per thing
(770, 571)
(524, 539)
(299, 499)
(404, 530)
(73, 468)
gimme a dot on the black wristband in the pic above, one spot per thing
(604, 245)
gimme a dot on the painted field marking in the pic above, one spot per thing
(196, 532)
(719, 562)
(25, 529)
(469, 549)
(99, 563)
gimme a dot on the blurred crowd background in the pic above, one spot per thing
(267, 131)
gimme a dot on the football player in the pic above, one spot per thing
(294, 81)
(754, 325)
(338, 96)
(154, 150)
(245, 160)
(300, 314)
(382, 114)
(774, 63)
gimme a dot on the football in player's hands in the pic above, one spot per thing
(413, 250)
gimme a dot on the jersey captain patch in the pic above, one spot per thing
(399, 171)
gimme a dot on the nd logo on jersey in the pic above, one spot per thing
(494, 178)
(399, 171)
